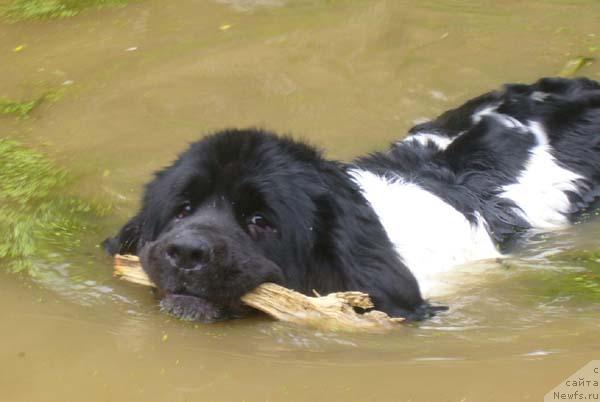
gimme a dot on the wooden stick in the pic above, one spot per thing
(334, 311)
(129, 268)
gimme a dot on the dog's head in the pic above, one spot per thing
(244, 207)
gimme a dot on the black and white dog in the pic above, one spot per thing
(243, 207)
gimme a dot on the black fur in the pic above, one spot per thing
(326, 238)
(242, 207)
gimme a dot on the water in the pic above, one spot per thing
(138, 83)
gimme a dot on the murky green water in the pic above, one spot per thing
(126, 88)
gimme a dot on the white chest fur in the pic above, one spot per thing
(430, 235)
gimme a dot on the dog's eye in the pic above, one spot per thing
(258, 220)
(184, 210)
(258, 223)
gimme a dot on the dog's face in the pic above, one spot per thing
(240, 208)
(210, 253)
(224, 218)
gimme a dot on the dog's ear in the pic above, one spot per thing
(128, 238)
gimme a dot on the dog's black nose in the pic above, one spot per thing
(187, 253)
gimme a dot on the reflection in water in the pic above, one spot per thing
(248, 5)
(351, 76)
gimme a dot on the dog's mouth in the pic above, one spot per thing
(191, 308)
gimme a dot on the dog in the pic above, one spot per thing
(244, 207)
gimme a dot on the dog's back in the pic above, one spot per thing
(525, 157)
(543, 138)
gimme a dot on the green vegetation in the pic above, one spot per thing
(41, 9)
(37, 216)
(23, 108)
(572, 67)
(18, 108)
(581, 283)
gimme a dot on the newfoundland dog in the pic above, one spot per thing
(243, 207)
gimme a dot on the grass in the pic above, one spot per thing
(18, 108)
(23, 108)
(572, 67)
(19, 10)
(38, 217)
(583, 283)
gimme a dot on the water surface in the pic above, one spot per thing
(137, 83)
